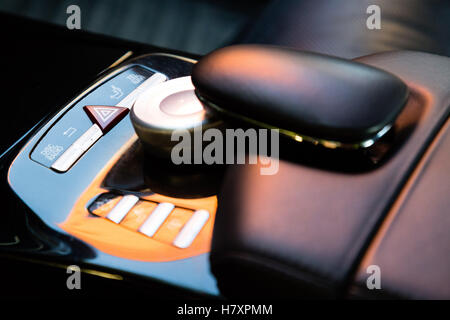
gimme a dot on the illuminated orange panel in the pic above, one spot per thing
(173, 224)
(127, 243)
(104, 209)
(136, 217)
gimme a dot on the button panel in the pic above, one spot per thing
(121, 89)
(163, 221)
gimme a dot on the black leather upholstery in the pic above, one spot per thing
(338, 27)
(412, 248)
(306, 231)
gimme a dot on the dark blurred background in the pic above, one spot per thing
(195, 26)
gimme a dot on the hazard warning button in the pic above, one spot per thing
(106, 117)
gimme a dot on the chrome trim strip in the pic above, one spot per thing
(121, 59)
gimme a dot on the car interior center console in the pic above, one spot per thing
(90, 180)
(97, 175)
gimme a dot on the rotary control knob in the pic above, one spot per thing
(166, 108)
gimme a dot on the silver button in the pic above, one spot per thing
(148, 107)
(155, 79)
(89, 137)
(191, 229)
(156, 219)
(121, 209)
(76, 150)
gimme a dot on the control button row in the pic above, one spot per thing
(105, 118)
(158, 216)
(66, 130)
(109, 103)
(76, 150)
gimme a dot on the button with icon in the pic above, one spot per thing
(105, 117)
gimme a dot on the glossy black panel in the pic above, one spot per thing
(51, 195)
(43, 68)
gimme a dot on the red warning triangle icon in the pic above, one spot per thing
(105, 117)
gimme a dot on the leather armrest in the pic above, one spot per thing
(304, 230)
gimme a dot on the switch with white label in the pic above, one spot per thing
(156, 219)
(191, 229)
